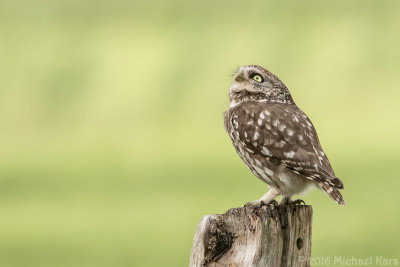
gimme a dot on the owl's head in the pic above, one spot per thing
(254, 83)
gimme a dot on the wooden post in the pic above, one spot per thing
(264, 236)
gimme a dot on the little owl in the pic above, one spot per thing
(275, 139)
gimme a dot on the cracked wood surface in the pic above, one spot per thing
(263, 236)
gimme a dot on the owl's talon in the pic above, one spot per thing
(260, 203)
(253, 204)
(297, 202)
(271, 203)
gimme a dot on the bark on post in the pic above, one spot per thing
(265, 236)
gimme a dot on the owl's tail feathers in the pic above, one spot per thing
(333, 193)
(337, 183)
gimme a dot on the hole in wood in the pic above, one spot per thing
(299, 243)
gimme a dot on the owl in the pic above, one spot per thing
(275, 139)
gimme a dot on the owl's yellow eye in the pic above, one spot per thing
(257, 78)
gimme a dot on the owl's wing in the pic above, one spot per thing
(283, 134)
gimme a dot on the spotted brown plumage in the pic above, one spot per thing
(275, 139)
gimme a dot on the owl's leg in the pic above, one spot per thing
(284, 200)
(266, 199)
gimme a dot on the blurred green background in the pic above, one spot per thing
(112, 139)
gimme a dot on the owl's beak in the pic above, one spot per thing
(240, 83)
(239, 77)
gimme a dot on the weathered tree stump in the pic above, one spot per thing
(264, 236)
